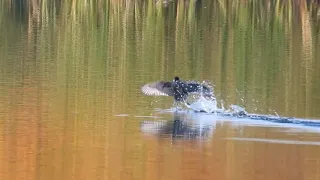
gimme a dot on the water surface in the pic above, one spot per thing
(71, 105)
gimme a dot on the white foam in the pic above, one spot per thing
(203, 104)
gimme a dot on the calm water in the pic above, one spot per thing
(71, 106)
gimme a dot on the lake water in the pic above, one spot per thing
(72, 108)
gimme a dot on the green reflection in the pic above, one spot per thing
(261, 55)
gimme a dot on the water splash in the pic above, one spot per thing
(211, 105)
(204, 105)
(235, 109)
(199, 103)
(215, 110)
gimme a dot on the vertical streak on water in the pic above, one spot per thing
(288, 67)
(224, 50)
(307, 55)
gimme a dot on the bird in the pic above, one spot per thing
(177, 88)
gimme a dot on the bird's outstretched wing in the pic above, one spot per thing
(159, 88)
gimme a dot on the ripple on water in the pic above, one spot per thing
(277, 141)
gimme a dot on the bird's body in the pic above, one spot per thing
(177, 88)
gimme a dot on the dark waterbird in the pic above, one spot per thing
(177, 88)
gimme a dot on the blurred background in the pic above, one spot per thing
(71, 73)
